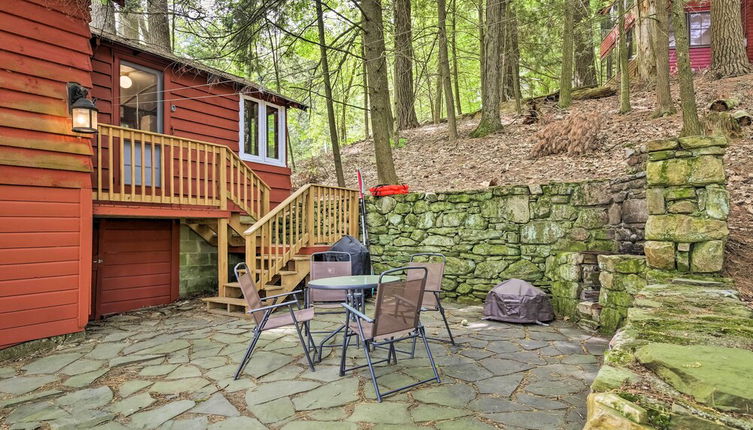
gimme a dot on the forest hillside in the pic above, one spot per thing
(425, 161)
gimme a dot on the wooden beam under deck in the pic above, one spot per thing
(144, 211)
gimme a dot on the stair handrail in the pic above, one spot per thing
(312, 214)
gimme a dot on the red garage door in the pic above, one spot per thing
(136, 264)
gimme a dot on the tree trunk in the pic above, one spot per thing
(490, 121)
(444, 69)
(130, 20)
(727, 40)
(691, 126)
(103, 16)
(404, 96)
(481, 48)
(566, 76)
(515, 59)
(328, 97)
(585, 71)
(453, 41)
(366, 132)
(379, 95)
(159, 24)
(438, 100)
(664, 105)
(624, 66)
(644, 43)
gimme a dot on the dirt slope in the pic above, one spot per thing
(427, 162)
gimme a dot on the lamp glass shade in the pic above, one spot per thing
(125, 81)
(84, 116)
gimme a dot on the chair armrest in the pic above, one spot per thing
(266, 308)
(356, 312)
(280, 295)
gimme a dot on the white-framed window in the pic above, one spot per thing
(699, 26)
(262, 132)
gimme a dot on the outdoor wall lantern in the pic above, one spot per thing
(83, 111)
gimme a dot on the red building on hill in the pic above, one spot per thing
(698, 15)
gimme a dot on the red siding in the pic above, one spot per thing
(139, 265)
(207, 113)
(44, 282)
(700, 58)
(45, 185)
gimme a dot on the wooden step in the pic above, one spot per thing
(225, 300)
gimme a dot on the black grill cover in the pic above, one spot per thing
(359, 254)
(518, 301)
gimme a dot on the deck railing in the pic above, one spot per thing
(314, 214)
(143, 167)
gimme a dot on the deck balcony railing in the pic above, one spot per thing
(142, 167)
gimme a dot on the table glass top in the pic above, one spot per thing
(356, 281)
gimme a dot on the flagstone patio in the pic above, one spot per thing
(172, 368)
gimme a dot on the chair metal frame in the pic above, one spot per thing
(371, 342)
(436, 293)
(260, 324)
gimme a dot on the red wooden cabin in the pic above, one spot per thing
(699, 32)
(89, 226)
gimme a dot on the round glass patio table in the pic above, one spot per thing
(353, 285)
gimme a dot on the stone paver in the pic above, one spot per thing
(174, 369)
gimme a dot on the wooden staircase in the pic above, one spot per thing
(277, 246)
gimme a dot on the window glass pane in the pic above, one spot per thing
(273, 133)
(140, 99)
(700, 28)
(127, 162)
(251, 127)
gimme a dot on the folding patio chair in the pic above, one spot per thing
(327, 264)
(432, 301)
(263, 314)
(396, 318)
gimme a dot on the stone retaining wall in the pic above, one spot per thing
(684, 357)
(505, 232)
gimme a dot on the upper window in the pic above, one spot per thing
(262, 137)
(140, 97)
(699, 24)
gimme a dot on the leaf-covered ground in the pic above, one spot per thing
(428, 162)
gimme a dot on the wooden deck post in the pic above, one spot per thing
(222, 255)
(310, 216)
(223, 179)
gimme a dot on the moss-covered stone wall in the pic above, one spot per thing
(688, 205)
(504, 232)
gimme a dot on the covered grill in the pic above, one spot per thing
(518, 301)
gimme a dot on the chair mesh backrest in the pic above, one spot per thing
(434, 277)
(248, 288)
(433, 282)
(328, 269)
(398, 303)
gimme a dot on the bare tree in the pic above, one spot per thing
(623, 54)
(444, 70)
(727, 40)
(691, 125)
(490, 91)
(159, 25)
(585, 71)
(664, 105)
(453, 43)
(404, 96)
(103, 16)
(376, 66)
(566, 76)
(328, 96)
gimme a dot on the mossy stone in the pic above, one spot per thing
(660, 255)
(490, 269)
(717, 202)
(662, 145)
(682, 207)
(715, 376)
(490, 249)
(385, 205)
(707, 257)
(691, 142)
(523, 269)
(684, 228)
(541, 232)
(610, 378)
(459, 266)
